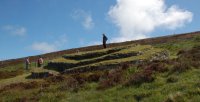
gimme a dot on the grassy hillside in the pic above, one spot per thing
(163, 72)
(149, 41)
(93, 60)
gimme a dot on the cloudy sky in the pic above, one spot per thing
(32, 27)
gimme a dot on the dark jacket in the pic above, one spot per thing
(104, 38)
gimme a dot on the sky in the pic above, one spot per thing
(33, 27)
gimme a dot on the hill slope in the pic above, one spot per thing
(149, 41)
(159, 72)
(106, 58)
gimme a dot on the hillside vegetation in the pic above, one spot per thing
(104, 59)
(148, 41)
(162, 72)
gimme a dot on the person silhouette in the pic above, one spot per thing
(40, 61)
(27, 63)
(104, 40)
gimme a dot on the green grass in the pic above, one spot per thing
(63, 60)
(176, 46)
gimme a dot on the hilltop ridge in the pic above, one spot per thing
(150, 41)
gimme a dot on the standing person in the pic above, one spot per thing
(27, 63)
(104, 40)
(40, 62)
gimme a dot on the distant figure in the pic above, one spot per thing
(27, 63)
(77, 51)
(104, 40)
(40, 62)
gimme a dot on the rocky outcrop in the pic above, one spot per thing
(163, 55)
(96, 68)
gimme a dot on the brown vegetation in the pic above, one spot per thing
(146, 75)
(70, 84)
(139, 78)
(10, 74)
(25, 99)
(187, 59)
(55, 79)
(111, 78)
(24, 86)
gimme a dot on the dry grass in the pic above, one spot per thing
(10, 74)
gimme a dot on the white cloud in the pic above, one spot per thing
(137, 18)
(61, 41)
(15, 30)
(84, 17)
(45, 47)
(88, 23)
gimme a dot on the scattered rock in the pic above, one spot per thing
(164, 55)
(140, 53)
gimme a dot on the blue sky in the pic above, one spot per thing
(32, 27)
